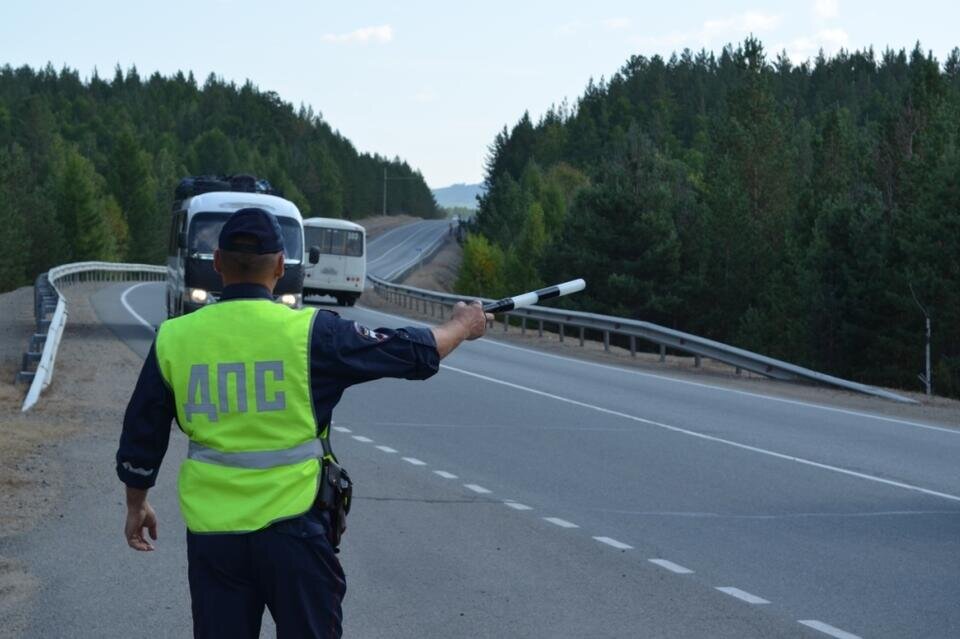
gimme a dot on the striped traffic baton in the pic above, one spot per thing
(527, 299)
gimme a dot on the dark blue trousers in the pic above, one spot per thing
(289, 567)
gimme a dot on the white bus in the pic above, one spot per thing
(194, 230)
(342, 265)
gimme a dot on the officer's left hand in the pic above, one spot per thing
(138, 518)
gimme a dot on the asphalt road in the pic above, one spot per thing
(522, 494)
(400, 247)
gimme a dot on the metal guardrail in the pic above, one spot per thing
(605, 325)
(48, 300)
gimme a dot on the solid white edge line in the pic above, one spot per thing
(362, 439)
(342, 429)
(478, 489)
(742, 595)
(517, 505)
(563, 523)
(387, 449)
(719, 440)
(414, 461)
(133, 313)
(672, 567)
(827, 629)
(667, 378)
(619, 545)
(444, 474)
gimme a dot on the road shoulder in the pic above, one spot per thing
(93, 374)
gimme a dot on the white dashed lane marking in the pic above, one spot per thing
(517, 505)
(742, 595)
(563, 523)
(361, 438)
(477, 489)
(414, 461)
(444, 474)
(827, 629)
(613, 542)
(387, 449)
(342, 429)
(672, 567)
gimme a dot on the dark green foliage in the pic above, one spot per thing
(15, 209)
(123, 145)
(787, 209)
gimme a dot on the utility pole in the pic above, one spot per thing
(926, 379)
(385, 178)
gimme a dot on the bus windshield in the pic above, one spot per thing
(205, 231)
(335, 241)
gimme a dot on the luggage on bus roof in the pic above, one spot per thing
(243, 183)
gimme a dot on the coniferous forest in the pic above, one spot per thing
(802, 211)
(88, 168)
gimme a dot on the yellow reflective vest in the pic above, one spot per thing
(239, 371)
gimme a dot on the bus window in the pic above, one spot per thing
(354, 244)
(205, 234)
(335, 241)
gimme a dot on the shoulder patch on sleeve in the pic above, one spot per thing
(365, 332)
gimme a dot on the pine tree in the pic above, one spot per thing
(14, 213)
(134, 187)
(80, 209)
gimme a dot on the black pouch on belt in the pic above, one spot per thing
(335, 496)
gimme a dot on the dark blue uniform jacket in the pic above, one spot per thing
(342, 353)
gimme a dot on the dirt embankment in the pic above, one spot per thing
(440, 273)
(94, 375)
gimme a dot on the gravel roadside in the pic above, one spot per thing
(95, 374)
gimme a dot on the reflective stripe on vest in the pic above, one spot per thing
(256, 459)
(240, 375)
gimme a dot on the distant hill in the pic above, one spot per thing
(464, 195)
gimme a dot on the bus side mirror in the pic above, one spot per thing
(314, 254)
(182, 240)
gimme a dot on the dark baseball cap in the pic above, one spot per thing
(254, 223)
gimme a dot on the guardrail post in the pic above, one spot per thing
(739, 370)
(696, 361)
(540, 329)
(523, 325)
(561, 326)
(506, 322)
(633, 346)
(663, 353)
(581, 336)
(606, 341)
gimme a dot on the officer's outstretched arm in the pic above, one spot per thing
(468, 322)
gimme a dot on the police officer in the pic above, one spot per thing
(253, 384)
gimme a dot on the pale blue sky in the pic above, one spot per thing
(430, 81)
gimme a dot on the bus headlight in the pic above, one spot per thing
(291, 300)
(199, 296)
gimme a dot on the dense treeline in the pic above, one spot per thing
(800, 211)
(87, 169)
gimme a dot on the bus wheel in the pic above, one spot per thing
(351, 300)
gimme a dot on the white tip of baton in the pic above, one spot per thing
(572, 286)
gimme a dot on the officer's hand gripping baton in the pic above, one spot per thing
(527, 299)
